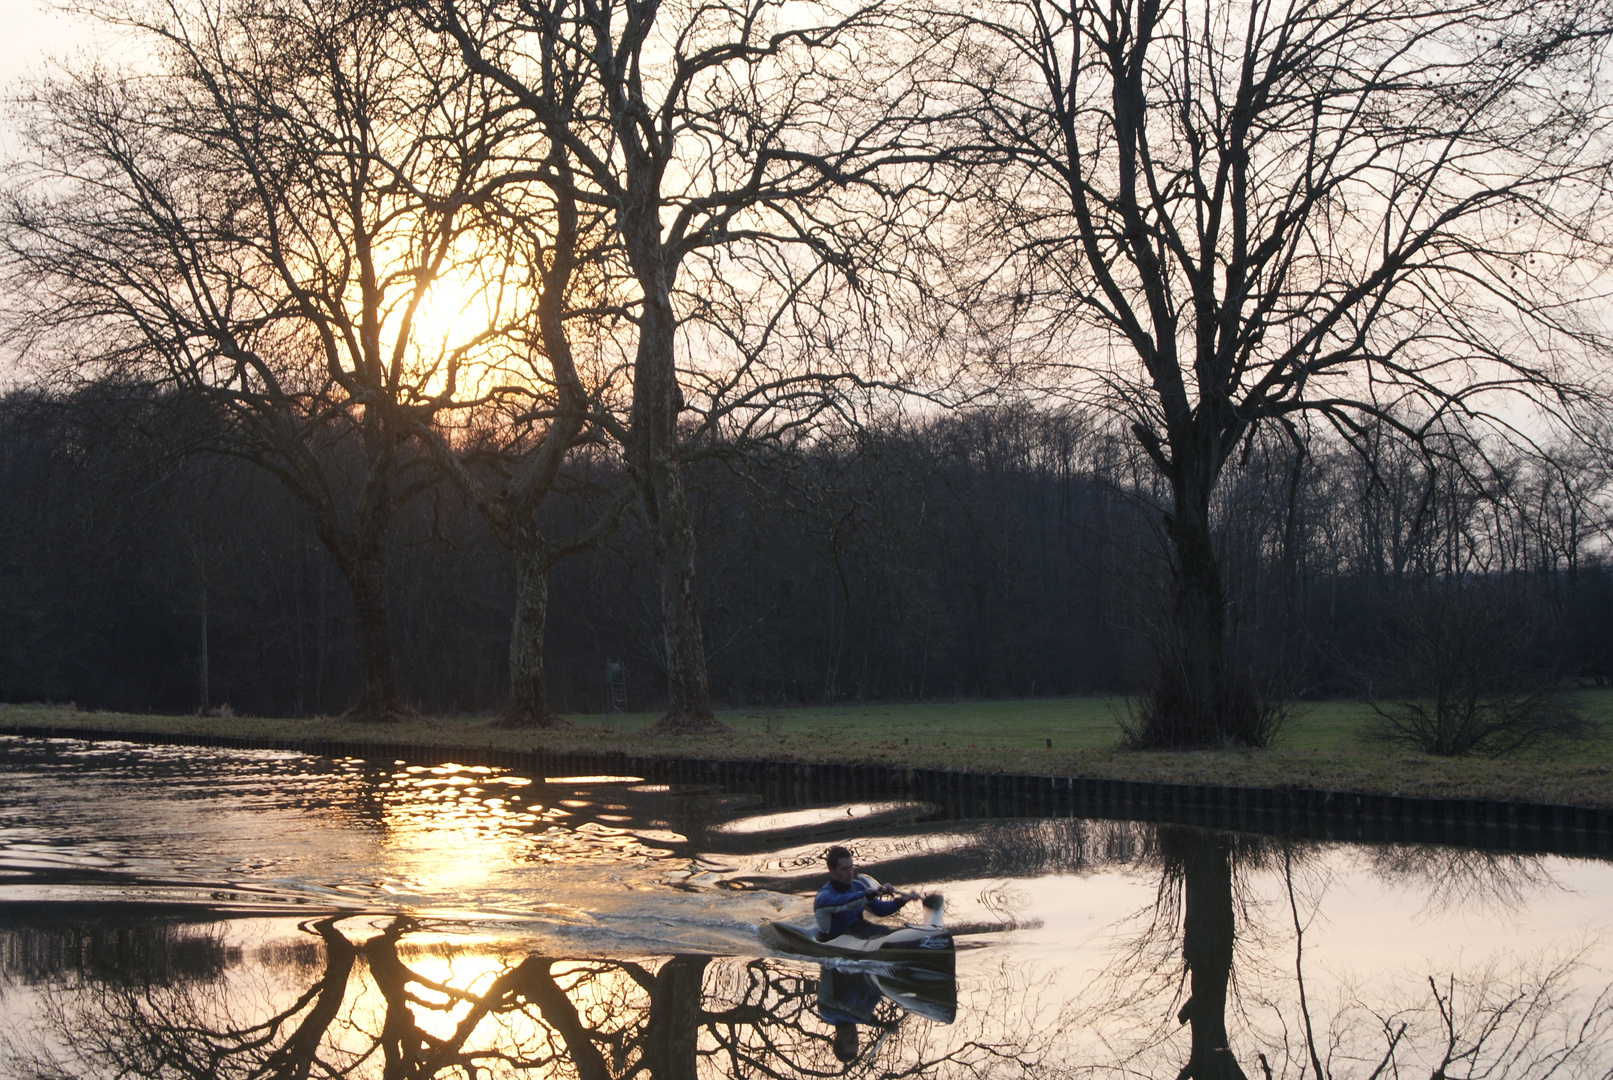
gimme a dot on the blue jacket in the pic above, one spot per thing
(846, 997)
(838, 909)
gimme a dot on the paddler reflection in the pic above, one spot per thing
(846, 999)
(849, 994)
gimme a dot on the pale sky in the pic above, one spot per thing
(29, 32)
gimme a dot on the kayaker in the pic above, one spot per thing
(839, 905)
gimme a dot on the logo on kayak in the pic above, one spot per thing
(935, 942)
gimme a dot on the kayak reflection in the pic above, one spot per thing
(849, 996)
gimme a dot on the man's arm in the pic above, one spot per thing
(890, 902)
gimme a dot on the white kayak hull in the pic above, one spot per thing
(931, 946)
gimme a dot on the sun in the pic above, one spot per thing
(472, 326)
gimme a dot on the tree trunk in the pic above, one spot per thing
(672, 1036)
(688, 694)
(529, 693)
(361, 554)
(379, 700)
(1199, 697)
(1199, 610)
(203, 692)
(1207, 938)
(657, 405)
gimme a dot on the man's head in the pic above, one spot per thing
(845, 1040)
(841, 865)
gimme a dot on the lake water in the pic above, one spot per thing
(174, 912)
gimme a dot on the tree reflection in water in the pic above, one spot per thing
(1203, 863)
(373, 1010)
(1449, 879)
(1210, 948)
(1211, 980)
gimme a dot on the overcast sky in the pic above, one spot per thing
(30, 31)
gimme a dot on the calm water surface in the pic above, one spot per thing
(173, 912)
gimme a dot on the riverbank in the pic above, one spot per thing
(1322, 749)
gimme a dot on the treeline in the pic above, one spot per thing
(1002, 552)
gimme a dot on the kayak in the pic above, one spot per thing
(928, 943)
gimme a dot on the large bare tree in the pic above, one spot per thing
(1365, 214)
(262, 219)
(718, 135)
(506, 453)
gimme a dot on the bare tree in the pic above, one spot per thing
(262, 223)
(506, 456)
(706, 130)
(1280, 213)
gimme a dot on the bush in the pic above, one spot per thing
(1239, 708)
(1461, 668)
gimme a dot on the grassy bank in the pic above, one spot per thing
(1322, 748)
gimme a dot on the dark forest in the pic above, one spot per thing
(1014, 551)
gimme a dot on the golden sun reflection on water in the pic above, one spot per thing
(451, 831)
(447, 832)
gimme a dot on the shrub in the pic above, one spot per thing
(1461, 671)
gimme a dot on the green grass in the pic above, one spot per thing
(1072, 723)
(1082, 723)
(1340, 725)
(1323, 747)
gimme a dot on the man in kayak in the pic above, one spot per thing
(839, 905)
